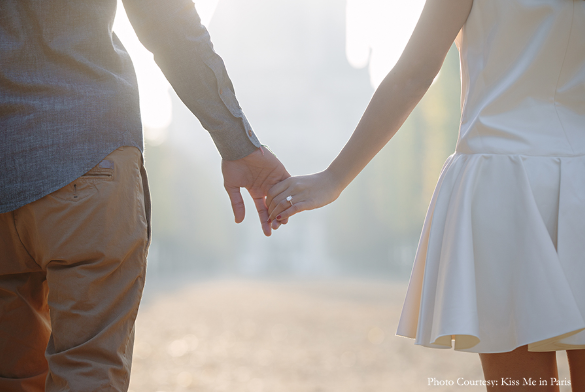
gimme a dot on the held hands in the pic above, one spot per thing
(307, 193)
(257, 172)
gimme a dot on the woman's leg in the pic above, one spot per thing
(577, 367)
(520, 370)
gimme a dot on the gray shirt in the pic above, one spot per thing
(68, 92)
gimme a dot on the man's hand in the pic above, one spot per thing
(257, 172)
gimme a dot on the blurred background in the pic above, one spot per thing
(304, 72)
(315, 306)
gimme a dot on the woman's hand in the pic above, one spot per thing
(306, 192)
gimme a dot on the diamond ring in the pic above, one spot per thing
(289, 199)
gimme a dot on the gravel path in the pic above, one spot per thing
(259, 336)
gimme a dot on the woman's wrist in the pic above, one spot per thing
(334, 180)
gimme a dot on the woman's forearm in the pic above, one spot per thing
(393, 101)
(403, 88)
(389, 108)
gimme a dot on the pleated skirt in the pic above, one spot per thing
(501, 258)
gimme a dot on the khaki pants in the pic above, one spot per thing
(72, 268)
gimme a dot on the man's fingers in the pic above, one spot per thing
(266, 228)
(237, 203)
(263, 214)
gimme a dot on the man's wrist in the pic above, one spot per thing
(268, 148)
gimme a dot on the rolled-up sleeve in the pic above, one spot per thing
(182, 48)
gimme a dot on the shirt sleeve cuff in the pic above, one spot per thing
(236, 145)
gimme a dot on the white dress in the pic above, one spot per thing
(501, 258)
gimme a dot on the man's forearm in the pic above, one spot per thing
(182, 48)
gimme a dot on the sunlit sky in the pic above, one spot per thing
(377, 32)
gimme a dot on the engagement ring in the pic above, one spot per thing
(289, 199)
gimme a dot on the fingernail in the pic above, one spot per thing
(279, 217)
(269, 221)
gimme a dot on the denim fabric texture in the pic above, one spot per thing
(69, 96)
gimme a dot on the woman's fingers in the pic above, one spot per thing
(275, 196)
(276, 190)
(300, 189)
(295, 209)
(279, 204)
(306, 193)
(278, 201)
(276, 224)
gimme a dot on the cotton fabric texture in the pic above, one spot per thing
(72, 269)
(501, 258)
(68, 92)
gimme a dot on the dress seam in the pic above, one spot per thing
(561, 72)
